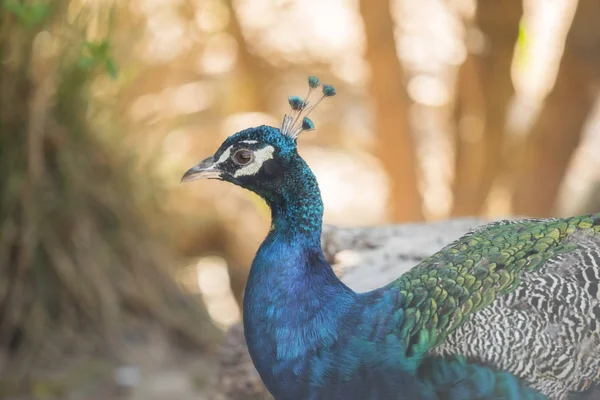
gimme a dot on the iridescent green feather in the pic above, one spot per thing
(443, 291)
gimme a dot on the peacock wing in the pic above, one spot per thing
(521, 296)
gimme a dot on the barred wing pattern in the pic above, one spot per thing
(520, 296)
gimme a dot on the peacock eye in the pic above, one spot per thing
(243, 157)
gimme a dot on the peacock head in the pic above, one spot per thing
(263, 158)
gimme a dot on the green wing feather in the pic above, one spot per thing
(442, 291)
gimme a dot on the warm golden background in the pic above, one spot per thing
(114, 276)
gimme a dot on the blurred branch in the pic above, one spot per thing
(15, 93)
(484, 90)
(395, 146)
(556, 134)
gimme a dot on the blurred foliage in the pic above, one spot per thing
(98, 54)
(79, 259)
(28, 15)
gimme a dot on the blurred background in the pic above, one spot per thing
(118, 282)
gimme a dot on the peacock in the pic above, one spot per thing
(508, 311)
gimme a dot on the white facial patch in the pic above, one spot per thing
(224, 156)
(249, 141)
(260, 156)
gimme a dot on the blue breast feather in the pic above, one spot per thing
(311, 337)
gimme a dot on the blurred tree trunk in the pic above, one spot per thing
(252, 74)
(485, 88)
(557, 132)
(395, 145)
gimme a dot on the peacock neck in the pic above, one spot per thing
(296, 207)
(294, 304)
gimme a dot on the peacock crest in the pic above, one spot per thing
(297, 121)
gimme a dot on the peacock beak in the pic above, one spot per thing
(206, 169)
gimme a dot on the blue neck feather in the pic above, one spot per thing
(298, 209)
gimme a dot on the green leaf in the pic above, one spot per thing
(111, 68)
(86, 62)
(38, 13)
(103, 47)
(28, 15)
(13, 7)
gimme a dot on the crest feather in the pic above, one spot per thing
(297, 121)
